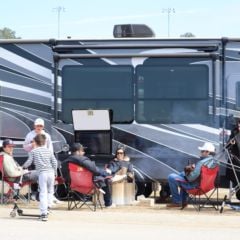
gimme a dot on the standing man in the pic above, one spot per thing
(234, 140)
(28, 144)
(233, 145)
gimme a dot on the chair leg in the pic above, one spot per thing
(199, 203)
(97, 198)
(72, 202)
(223, 204)
(208, 200)
(2, 191)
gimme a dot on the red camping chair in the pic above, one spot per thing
(13, 191)
(202, 194)
(82, 189)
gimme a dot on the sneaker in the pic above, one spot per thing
(184, 205)
(44, 217)
(49, 211)
(16, 186)
(173, 205)
(56, 201)
(111, 206)
(33, 197)
(101, 191)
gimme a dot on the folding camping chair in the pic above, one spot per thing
(82, 189)
(14, 186)
(201, 195)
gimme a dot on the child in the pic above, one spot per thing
(46, 165)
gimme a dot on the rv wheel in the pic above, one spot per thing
(143, 188)
(165, 191)
(139, 188)
(238, 194)
(148, 189)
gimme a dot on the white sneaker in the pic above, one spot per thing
(16, 186)
(102, 191)
(111, 206)
(33, 197)
(56, 201)
(49, 211)
(44, 217)
(53, 205)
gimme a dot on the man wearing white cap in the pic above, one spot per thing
(189, 178)
(28, 144)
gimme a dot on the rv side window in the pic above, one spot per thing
(238, 95)
(98, 87)
(172, 94)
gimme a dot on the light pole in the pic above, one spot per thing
(168, 11)
(59, 9)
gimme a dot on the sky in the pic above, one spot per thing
(94, 19)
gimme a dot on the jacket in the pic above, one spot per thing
(210, 162)
(82, 161)
(10, 166)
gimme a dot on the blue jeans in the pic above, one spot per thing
(108, 193)
(177, 181)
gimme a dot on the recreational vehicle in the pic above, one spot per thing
(166, 96)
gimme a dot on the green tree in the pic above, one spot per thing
(7, 33)
(187, 34)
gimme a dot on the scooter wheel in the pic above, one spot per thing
(13, 214)
(20, 212)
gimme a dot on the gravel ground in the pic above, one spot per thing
(130, 222)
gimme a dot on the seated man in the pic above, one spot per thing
(189, 178)
(11, 168)
(100, 175)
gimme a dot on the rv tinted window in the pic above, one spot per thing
(98, 87)
(238, 95)
(172, 94)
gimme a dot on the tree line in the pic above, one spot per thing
(7, 33)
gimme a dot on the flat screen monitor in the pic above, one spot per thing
(96, 142)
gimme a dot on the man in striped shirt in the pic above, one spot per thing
(46, 166)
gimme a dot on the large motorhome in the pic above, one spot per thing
(167, 96)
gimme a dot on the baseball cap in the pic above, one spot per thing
(76, 147)
(7, 142)
(39, 121)
(207, 146)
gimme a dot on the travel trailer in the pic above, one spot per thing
(166, 96)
